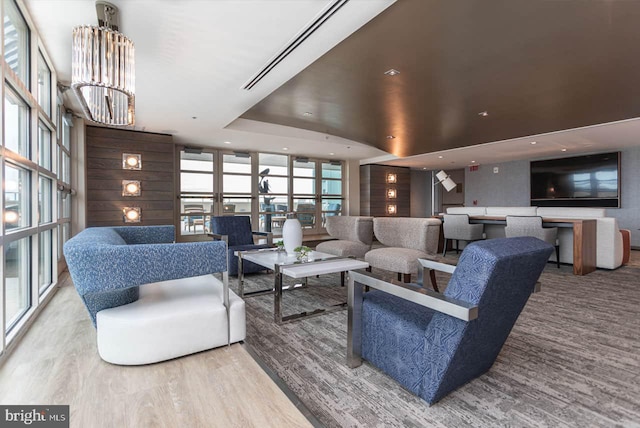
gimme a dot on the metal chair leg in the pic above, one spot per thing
(558, 256)
(444, 252)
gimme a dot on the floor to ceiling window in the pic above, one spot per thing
(264, 186)
(34, 164)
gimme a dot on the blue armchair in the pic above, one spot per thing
(236, 231)
(433, 343)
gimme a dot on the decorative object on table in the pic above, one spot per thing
(302, 253)
(280, 245)
(291, 233)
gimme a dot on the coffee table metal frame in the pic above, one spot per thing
(319, 264)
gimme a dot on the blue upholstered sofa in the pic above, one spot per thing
(152, 299)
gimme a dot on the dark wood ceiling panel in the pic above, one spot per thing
(535, 66)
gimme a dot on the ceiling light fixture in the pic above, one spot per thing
(564, 150)
(390, 137)
(103, 69)
(285, 148)
(534, 143)
(483, 113)
(227, 142)
(473, 161)
(307, 113)
(392, 72)
(331, 154)
(440, 157)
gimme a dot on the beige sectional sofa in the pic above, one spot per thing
(609, 251)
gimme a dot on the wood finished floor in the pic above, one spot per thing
(57, 363)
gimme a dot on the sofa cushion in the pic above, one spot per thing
(171, 319)
(505, 211)
(351, 228)
(555, 212)
(395, 259)
(343, 248)
(467, 210)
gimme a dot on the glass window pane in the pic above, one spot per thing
(236, 183)
(66, 135)
(330, 170)
(304, 186)
(273, 185)
(306, 210)
(233, 163)
(66, 168)
(304, 168)
(16, 119)
(66, 206)
(196, 161)
(273, 164)
(332, 187)
(44, 85)
(16, 197)
(16, 41)
(44, 200)
(17, 270)
(44, 146)
(194, 182)
(330, 207)
(231, 205)
(45, 260)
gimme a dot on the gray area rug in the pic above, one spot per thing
(572, 359)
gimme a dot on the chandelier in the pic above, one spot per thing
(102, 69)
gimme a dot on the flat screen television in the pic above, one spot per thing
(581, 181)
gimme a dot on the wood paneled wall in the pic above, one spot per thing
(104, 149)
(373, 191)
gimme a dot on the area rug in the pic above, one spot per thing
(572, 359)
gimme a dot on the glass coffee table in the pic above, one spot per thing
(283, 264)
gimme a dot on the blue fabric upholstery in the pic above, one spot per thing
(107, 271)
(431, 353)
(238, 230)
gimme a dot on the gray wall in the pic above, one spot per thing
(420, 194)
(510, 187)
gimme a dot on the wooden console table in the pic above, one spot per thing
(584, 238)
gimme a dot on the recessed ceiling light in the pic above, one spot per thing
(307, 113)
(227, 142)
(483, 113)
(392, 72)
(331, 154)
(534, 142)
(564, 150)
(285, 148)
(473, 161)
(424, 167)
(390, 137)
(440, 157)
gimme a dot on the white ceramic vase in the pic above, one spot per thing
(291, 233)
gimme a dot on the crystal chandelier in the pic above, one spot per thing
(103, 73)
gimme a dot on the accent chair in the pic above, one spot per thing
(236, 232)
(434, 343)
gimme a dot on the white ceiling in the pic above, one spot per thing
(194, 56)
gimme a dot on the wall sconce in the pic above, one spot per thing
(130, 188)
(131, 161)
(392, 178)
(391, 193)
(391, 209)
(131, 214)
(446, 181)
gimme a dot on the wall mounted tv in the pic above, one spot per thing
(581, 181)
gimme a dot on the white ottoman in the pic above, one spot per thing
(171, 319)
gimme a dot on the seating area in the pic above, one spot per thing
(327, 213)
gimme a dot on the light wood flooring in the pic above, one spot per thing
(57, 363)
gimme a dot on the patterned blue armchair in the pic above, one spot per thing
(236, 230)
(433, 343)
